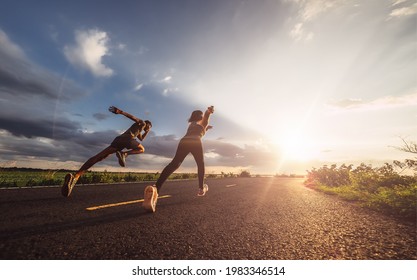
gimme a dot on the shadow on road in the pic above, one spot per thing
(63, 226)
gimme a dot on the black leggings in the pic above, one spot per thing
(186, 146)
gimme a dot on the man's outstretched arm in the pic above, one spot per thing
(117, 111)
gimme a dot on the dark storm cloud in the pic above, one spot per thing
(30, 101)
(164, 146)
(33, 127)
(93, 141)
(233, 155)
(20, 76)
(12, 147)
(223, 149)
(20, 81)
(13, 84)
(70, 145)
(100, 116)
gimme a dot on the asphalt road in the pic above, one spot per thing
(245, 218)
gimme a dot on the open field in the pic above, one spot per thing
(18, 178)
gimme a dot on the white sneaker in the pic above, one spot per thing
(150, 198)
(203, 190)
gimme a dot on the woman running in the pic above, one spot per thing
(190, 143)
(127, 140)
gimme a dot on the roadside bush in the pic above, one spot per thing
(332, 176)
(244, 174)
(378, 188)
(399, 200)
(228, 175)
(31, 182)
(129, 177)
(149, 177)
(185, 176)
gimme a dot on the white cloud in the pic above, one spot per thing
(299, 34)
(121, 46)
(89, 50)
(9, 48)
(142, 50)
(308, 11)
(347, 103)
(167, 79)
(403, 11)
(312, 9)
(168, 91)
(380, 103)
(397, 2)
(138, 87)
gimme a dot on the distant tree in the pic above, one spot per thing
(409, 147)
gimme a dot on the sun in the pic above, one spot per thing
(297, 146)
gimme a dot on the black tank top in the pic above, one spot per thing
(134, 130)
(195, 130)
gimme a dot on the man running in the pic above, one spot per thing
(127, 140)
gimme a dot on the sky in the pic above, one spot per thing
(296, 84)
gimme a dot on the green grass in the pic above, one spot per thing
(23, 178)
(345, 192)
(15, 177)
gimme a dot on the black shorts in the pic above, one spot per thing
(121, 143)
